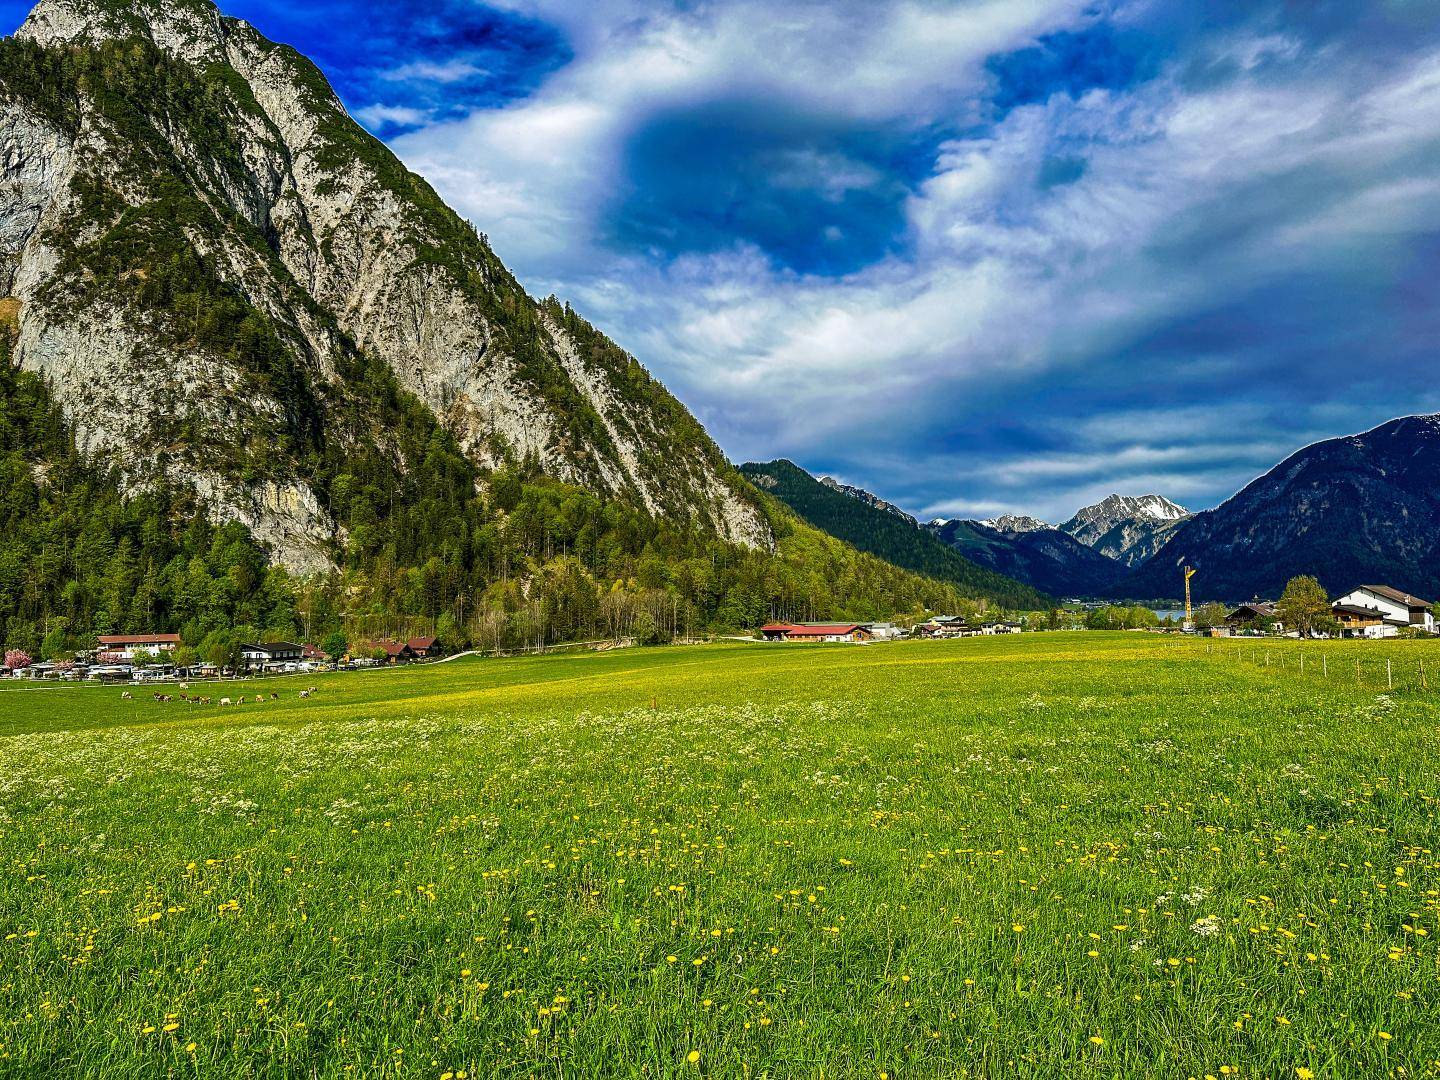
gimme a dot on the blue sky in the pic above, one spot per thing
(980, 256)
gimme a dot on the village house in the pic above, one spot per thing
(424, 648)
(271, 655)
(815, 632)
(1256, 613)
(883, 631)
(1379, 611)
(1363, 622)
(942, 626)
(396, 652)
(127, 648)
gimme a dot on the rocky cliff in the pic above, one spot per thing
(228, 285)
(1127, 528)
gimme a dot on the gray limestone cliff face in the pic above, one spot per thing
(323, 231)
(1127, 528)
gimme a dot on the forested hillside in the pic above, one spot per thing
(532, 561)
(888, 536)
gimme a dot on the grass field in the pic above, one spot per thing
(1057, 854)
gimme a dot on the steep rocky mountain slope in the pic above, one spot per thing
(862, 521)
(1127, 528)
(1360, 509)
(230, 288)
(1044, 557)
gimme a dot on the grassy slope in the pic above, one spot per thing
(888, 537)
(893, 858)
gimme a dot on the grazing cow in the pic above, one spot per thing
(127, 696)
(224, 701)
(313, 689)
(204, 701)
(304, 693)
(274, 696)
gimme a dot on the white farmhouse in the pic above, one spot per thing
(126, 648)
(1393, 610)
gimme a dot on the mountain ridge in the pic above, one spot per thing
(240, 158)
(1355, 507)
(1044, 558)
(880, 532)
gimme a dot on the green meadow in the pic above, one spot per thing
(1119, 855)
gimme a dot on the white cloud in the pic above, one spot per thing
(450, 71)
(1185, 196)
(378, 116)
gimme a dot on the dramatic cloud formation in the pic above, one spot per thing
(980, 256)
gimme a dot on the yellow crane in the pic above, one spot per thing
(1189, 614)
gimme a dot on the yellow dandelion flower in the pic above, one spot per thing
(693, 1056)
(1097, 1040)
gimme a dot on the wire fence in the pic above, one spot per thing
(1391, 674)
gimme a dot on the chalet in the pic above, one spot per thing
(1255, 613)
(396, 652)
(271, 654)
(424, 648)
(1364, 622)
(815, 632)
(1394, 609)
(125, 648)
(942, 626)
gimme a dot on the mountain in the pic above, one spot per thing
(1044, 557)
(1127, 528)
(861, 522)
(252, 367)
(1016, 523)
(868, 499)
(229, 288)
(1353, 510)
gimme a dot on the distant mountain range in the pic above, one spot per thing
(1359, 509)
(1362, 508)
(1043, 556)
(1089, 555)
(875, 526)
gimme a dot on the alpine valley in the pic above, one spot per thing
(1351, 510)
(256, 373)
